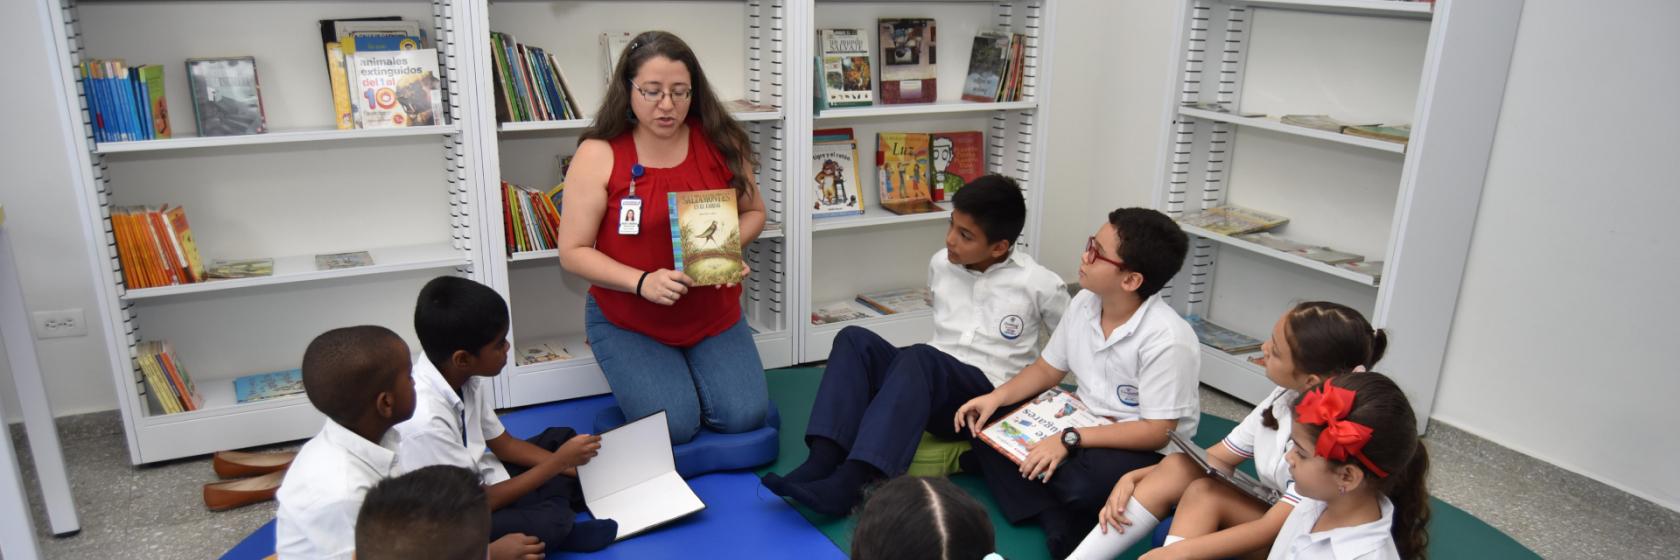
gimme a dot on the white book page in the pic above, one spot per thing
(647, 505)
(630, 454)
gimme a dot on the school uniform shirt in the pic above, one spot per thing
(323, 492)
(1147, 369)
(1370, 541)
(991, 320)
(451, 429)
(1251, 439)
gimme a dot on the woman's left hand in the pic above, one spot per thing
(745, 270)
(1043, 459)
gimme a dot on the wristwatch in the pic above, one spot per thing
(1070, 439)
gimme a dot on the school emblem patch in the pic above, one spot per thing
(1128, 394)
(1011, 327)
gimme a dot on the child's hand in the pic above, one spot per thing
(578, 450)
(974, 413)
(516, 546)
(1113, 513)
(1043, 458)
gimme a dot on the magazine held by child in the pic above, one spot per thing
(1047, 415)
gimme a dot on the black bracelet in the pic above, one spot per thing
(639, 282)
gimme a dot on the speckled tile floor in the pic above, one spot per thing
(155, 511)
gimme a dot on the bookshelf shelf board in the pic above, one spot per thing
(773, 231)
(877, 217)
(923, 109)
(220, 400)
(1382, 8)
(301, 268)
(580, 124)
(1275, 126)
(1364, 279)
(272, 137)
(550, 254)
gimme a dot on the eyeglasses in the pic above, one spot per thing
(655, 95)
(1093, 253)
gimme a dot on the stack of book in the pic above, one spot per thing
(916, 169)
(529, 83)
(170, 388)
(1221, 338)
(1233, 220)
(530, 218)
(1397, 133)
(155, 247)
(125, 103)
(383, 73)
(996, 69)
(874, 304)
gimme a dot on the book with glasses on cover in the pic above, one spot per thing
(227, 99)
(706, 236)
(271, 385)
(846, 76)
(634, 479)
(902, 172)
(1233, 220)
(1238, 479)
(957, 158)
(834, 158)
(909, 61)
(1221, 338)
(1047, 415)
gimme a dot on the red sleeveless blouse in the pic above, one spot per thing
(704, 311)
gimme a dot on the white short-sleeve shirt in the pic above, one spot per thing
(1370, 541)
(323, 492)
(1147, 369)
(451, 429)
(991, 320)
(1251, 439)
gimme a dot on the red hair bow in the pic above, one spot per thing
(1341, 438)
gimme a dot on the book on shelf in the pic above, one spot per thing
(1233, 220)
(845, 73)
(1324, 255)
(842, 311)
(166, 378)
(956, 158)
(1316, 122)
(1221, 338)
(834, 157)
(226, 95)
(1048, 415)
(271, 385)
(747, 106)
(395, 89)
(909, 65)
(706, 236)
(530, 219)
(613, 44)
(901, 171)
(1242, 481)
(987, 66)
(892, 302)
(529, 84)
(335, 261)
(125, 103)
(1222, 108)
(1374, 269)
(155, 247)
(543, 353)
(239, 268)
(1398, 133)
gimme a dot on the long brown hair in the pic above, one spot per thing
(1329, 339)
(1379, 404)
(615, 118)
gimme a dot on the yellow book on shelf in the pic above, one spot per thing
(160, 387)
(340, 87)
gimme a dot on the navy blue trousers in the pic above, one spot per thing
(875, 399)
(548, 512)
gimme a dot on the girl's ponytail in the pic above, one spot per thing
(1410, 494)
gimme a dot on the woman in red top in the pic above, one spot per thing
(661, 343)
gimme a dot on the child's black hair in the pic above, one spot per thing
(437, 512)
(1380, 405)
(345, 369)
(455, 313)
(1151, 244)
(916, 518)
(996, 204)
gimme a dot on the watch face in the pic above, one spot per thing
(1070, 438)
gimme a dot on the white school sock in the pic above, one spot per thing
(1100, 546)
(1170, 540)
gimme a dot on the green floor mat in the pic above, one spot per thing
(1453, 532)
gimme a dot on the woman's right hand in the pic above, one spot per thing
(665, 286)
(975, 412)
(1113, 513)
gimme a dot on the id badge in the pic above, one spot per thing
(630, 216)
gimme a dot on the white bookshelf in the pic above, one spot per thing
(892, 251)
(183, 142)
(301, 268)
(1440, 67)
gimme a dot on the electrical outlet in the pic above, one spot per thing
(60, 323)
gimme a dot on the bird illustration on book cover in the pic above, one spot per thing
(706, 236)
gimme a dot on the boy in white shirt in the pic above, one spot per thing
(1137, 363)
(875, 400)
(530, 485)
(359, 378)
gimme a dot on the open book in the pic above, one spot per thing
(634, 479)
(1241, 480)
(1046, 416)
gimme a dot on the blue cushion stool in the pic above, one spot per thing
(1161, 533)
(711, 451)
